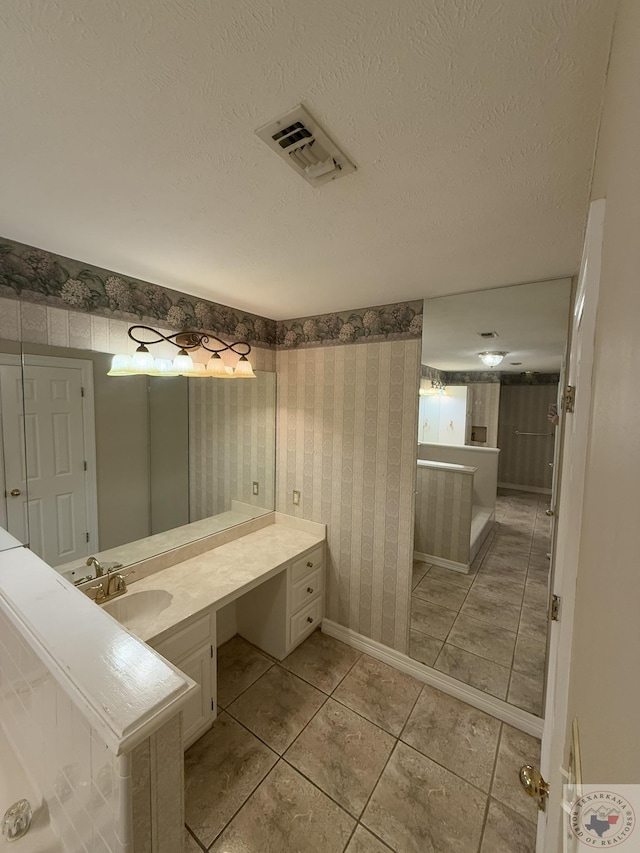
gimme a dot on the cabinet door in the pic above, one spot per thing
(198, 713)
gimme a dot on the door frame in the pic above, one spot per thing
(88, 429)
(568, 533)
(8, 360)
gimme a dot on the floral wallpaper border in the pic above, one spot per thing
(398, 321)
(469, 377)
(38, 276)
(35, 275)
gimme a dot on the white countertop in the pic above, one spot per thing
(150, 546)
(8, 541)
(219, 576)
(122, 687)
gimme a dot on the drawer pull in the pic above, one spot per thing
(309, 589)
(309, 620)
(309, 564)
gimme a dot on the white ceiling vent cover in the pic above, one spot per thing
(300, 141)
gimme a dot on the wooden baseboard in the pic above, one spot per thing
(497, 708)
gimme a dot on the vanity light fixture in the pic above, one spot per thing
(491, 359)
(142, 361)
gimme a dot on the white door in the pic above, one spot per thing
(59, 499)
(14, 514)
(569, 519)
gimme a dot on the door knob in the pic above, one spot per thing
(549, 512)
(15, 493)
(533, 783)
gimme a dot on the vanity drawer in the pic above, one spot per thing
(303, 622)
(306, 589)
(305, 564)
(191, 637)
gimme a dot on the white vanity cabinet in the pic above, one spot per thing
(191, 647)
(281, 612)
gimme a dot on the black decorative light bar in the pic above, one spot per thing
(142, 361)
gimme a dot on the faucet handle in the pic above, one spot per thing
(99, 591)
(113, 568)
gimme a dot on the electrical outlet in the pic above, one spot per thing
(296, 498)
(255, 488)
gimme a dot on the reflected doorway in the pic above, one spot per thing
(53, 504)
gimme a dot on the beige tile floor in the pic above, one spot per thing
(332, 751)
(488, 628)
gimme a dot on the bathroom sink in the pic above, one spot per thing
(136, 608)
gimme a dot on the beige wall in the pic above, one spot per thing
(232, 444)
(347, 427)
(604, 684)
(444, 501)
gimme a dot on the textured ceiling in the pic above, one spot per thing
(127, 140)
(531, 321)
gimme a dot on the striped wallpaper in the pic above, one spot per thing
(443, 514)
(231, 444)
(347, 427)
(524, 459)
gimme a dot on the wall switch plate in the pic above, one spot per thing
(255, 488)
(296, 498)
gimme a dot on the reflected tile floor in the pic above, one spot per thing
(488, 628)
(356, 758)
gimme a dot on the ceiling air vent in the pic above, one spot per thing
(303, 144)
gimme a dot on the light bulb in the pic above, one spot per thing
(216, 367)
(197, 370)
(142, 360)
(164, 367)
(120, 365)
(244, 369)
(183, 363)
(491, 359)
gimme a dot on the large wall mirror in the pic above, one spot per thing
(127, 467)
(487, 454)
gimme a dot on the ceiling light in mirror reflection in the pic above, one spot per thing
(491, 359)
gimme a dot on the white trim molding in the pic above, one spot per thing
(441, 561)
(538, 490)
(497, 708)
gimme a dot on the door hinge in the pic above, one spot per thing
(81, 391)
(211, 647)
(87, 536)
(555, 608)
(569, 398)
(85, 465)
(213, 706)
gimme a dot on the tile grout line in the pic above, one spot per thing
(490, 793)
(487, 549)
(280, 757)
(393, 749)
